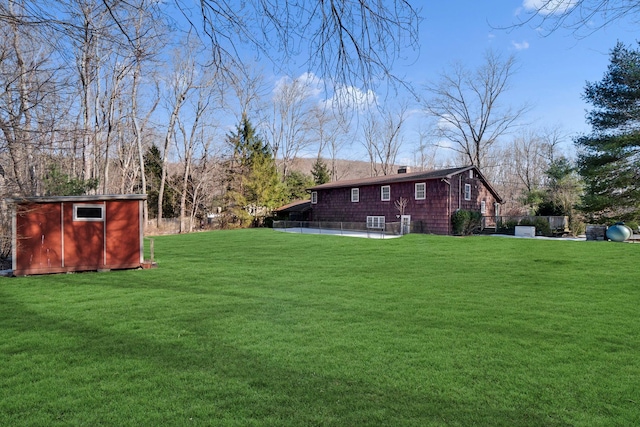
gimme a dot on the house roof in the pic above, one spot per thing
(406, 177)
(92, 198)
(296, 206)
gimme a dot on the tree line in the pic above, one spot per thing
(136, 96)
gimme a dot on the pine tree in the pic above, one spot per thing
(609, 158)
(296, 184)
(253, 186)
(153, 171)
(320, 172)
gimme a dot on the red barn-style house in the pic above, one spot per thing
(77, 233)
(429, 198)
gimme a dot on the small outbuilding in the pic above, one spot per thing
(77, 233)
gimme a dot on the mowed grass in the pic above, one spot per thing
(262, 328)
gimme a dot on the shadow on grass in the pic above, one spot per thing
(212, 380)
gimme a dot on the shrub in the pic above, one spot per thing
(508, 226)
(542, 227)
(465, 222)
(632, 225)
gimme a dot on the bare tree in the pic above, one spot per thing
(383, 137)
(426, 151)
(523, 166)
(28, 97)
(180, 85)
(292, 110)
(356, 42)
(466, 105)
(583, 17)
(196, 140)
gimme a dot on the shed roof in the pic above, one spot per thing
(406, 177)
(91, 198)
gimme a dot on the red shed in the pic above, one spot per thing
(77, 233)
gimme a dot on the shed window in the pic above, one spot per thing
(355, 194)
(88, 212)
(421, 191)
(467, 191)
(314, 197)
(385, 193)
(375, 222)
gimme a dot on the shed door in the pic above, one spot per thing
(84, 235)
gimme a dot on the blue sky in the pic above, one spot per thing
(552, 69)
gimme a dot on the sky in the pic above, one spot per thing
(552, 68)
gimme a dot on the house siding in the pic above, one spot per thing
(443, 197)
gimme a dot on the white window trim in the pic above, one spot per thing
(314, 197)
(467, 191)
(388, 187)
(355, 195)
(92, 206)
(424, 190)
(375, 221)
(483, 207)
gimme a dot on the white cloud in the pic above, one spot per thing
(352, 98)
(307, 85)
(520, 46)
(549, 7)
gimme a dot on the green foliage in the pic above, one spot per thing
(481, 331)
(57, 183)
(562, 192)
(508, 226)
(549, 208)
(153, 174)
(320, 172)
(465, 222)
(296, 184)
(253, 184)
(541, 225)
(608, 158)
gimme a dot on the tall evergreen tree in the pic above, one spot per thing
(153, 171)
(609, 158)
(320, 172)
(253, 185)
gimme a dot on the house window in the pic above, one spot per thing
(355, 194)
(375, 222)
(421, 191)
(314, 197)
(88, 212)
(385, 193)
(467, 191)
(471, 174)
(483, 207)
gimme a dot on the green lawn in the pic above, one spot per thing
(262, 328)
